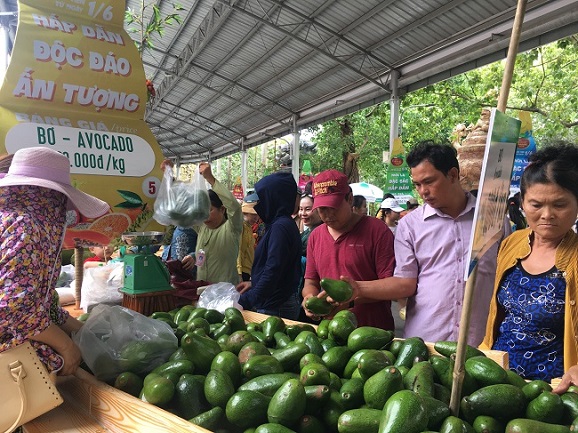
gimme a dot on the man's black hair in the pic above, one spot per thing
(358, 200)
(442, 156)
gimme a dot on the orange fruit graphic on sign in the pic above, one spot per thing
(132, 213)
(111, 225)
(84, 238)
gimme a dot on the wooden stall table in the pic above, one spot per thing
(91, 406)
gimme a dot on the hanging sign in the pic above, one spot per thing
(76, 84)
(526, 147)
(398, 180)
(238, 192)
(494, 189)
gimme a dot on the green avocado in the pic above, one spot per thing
(247, 409)
(338, 290)
(361, 420)
(318, 306)
(523, 425)
(404, 412)
(287, 404)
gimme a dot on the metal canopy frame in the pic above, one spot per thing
(238, 72)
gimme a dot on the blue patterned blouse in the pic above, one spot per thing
(532, 331)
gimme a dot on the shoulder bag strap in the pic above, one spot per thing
(18, 374)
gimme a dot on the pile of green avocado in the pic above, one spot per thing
(269, 377)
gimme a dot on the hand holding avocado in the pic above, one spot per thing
(338, 291)
(333, 294)
(569, 378)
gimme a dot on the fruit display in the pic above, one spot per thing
(277, 376)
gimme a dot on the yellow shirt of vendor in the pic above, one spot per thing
(217, 249)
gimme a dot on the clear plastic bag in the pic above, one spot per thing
(101, 285)
(115, 339)
(66, 276)
(183, 204)
(220, 296)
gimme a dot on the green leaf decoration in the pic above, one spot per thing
(128, 205)
(131, 197)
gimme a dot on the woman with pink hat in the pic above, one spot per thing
(35, 195)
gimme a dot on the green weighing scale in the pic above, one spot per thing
(144, 272)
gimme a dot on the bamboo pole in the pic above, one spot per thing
(459, 371)
(79, 274)
(511, 58)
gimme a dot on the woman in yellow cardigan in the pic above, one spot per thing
(533, 314)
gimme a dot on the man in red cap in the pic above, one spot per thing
(349, 245)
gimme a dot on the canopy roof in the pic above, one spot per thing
(237, 72)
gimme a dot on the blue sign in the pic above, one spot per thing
(526, 146)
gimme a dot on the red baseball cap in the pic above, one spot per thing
(329, 189)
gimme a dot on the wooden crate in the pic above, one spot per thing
(497, 355)
(251, 317)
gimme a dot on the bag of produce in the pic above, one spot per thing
(220, 296)
(115, 339)
(101, 285)
(180, 203)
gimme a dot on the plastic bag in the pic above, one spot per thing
(115, 339)
(101, 285)
(220, 296)
(183, 204)
(66, 276)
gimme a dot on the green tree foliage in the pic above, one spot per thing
(260, 162)
(366, 136)
(136, 22)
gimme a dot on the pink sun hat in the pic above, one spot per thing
(47, 168)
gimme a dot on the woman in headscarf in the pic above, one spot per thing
(35, 195)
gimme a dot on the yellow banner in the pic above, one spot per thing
(76, 84)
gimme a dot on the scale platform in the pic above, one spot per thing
(148, 303)
(146, 286)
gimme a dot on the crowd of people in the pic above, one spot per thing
(417, 255)
(524, 295)
(531, 311)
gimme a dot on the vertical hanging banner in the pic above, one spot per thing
(494, 189)
(526, 146)
(238, 191)
(76, 84)
(305, 175)
(398, 180)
